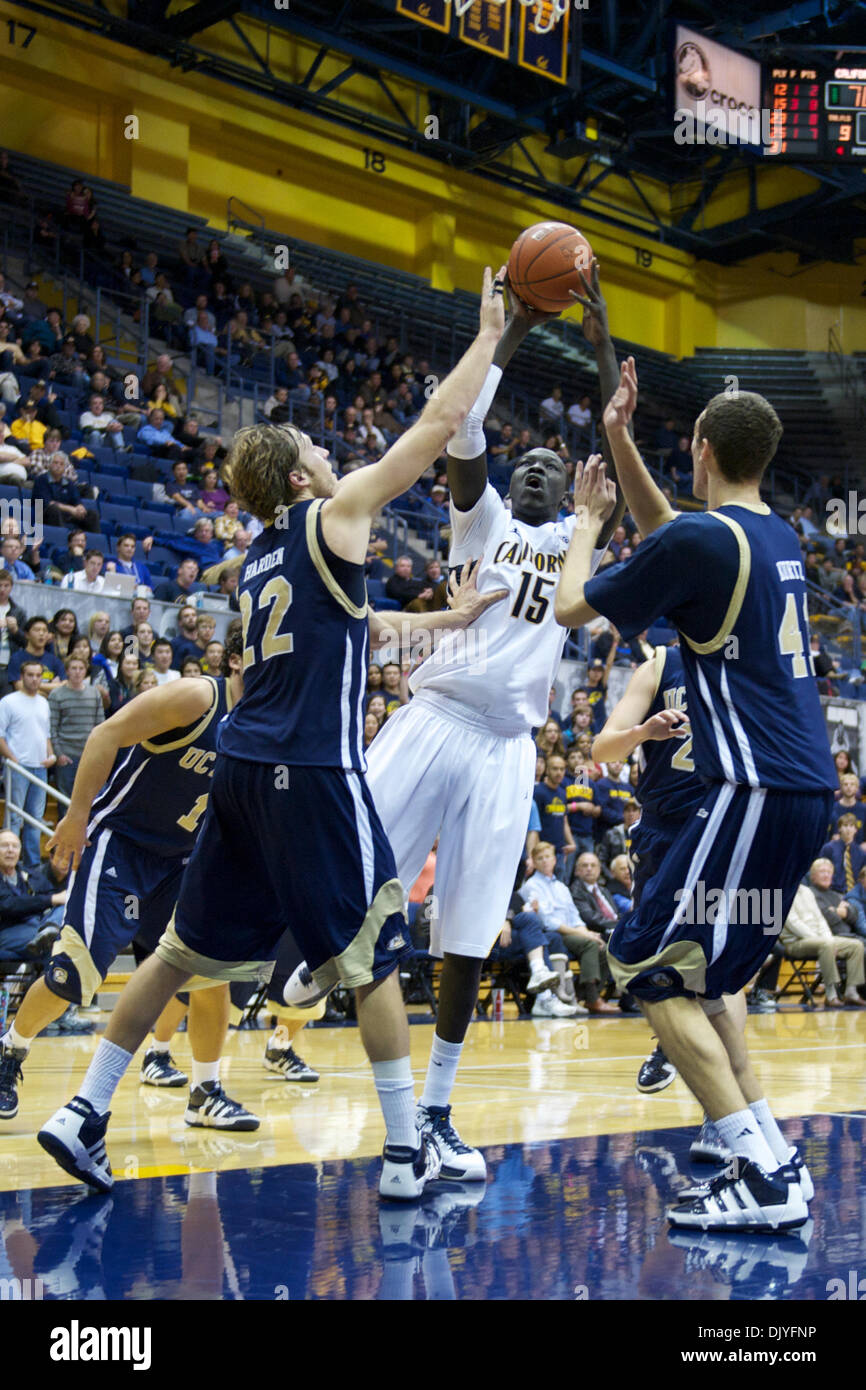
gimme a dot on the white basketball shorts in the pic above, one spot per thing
(436, 768)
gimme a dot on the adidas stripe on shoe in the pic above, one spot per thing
(75, 1139)
(406, 1172)
(751, 1201)
(210, 1108)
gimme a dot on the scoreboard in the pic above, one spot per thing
(816, 113)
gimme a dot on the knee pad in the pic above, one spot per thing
(62, 978)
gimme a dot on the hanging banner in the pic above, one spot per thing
(487, 25)
(435, 13)
(544, 53)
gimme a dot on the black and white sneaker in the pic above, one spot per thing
(210, 1108)
(301, 990)
(656, 1072)
(406, 1172)
(286, 1062)
(157, 1069)
(795, 1159)
(750, 1201)
(75, 1139)
(708, 1147)
(11, 1059)
(460, 1163)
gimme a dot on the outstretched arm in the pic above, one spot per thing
(646, 502)
(628, 725)
(171, 706)
(467, 452)
(465, 605)
(594, 500)
(347, 515)
(596, 330)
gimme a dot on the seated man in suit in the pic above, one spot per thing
(594, 903)
(806, 935)
(845, 854)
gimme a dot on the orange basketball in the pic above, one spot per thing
(541, 265)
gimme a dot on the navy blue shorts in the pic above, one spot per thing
(119, 891)
(711, 907)
(650, 840)
(299, 845)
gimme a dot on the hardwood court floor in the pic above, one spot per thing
(520, 1082)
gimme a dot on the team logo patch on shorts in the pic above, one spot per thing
(661, 980)
(60, 975)
(395, 943)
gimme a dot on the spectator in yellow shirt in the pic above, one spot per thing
(28, 428)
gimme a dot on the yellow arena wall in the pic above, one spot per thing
(67, 98)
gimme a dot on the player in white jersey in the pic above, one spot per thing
(459, 760)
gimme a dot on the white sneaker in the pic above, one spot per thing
(751, 1201)
(406, 1172)
(542, 977)
(75, 1139)
(548, 1006)
(459, 1162)
(807, 1187)
(301, 991)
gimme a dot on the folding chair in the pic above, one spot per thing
(804, 975)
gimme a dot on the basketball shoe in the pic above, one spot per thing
(750, 1200)
(406, 1172)
(157, 1069)
(11, 1059)
(656, 1072)
(210, 1108)
(460, 1163)
(75, 1139)
(286, 1062)
(795, 1159)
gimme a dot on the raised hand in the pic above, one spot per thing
(595, 325)
(518, 309)
(492, 315)
(622, 404)
(594, 492)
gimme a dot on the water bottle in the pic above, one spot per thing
(498, 1005)
(4, 1007)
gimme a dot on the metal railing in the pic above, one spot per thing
(13, 809)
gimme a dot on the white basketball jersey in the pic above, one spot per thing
(503, 666)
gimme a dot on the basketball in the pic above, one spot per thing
(541, 265)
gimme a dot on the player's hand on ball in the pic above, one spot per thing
(492, 317)
(668, 723)
(595, 325)
(621, 406)
(464, 598)
(594, 492)
(68, 842)
(518, 309)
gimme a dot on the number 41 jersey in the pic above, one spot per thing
(503, 666)
(304, 613)
(157, 792)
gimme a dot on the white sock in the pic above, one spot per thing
(12, 1038)
(104, 1075)
(203, 1072)
(396, 1090)
(741, 1133)
(160, 1047)
(770, 1130)
(279, 1039)
(441, 1071)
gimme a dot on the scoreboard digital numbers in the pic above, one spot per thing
(816, 114)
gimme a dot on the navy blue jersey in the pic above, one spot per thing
(157, 792)
(732, 582)
(551, 803)
(304, 613)
(668, 785)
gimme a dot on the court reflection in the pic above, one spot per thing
(560, 1220)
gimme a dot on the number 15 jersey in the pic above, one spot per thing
(503, 666)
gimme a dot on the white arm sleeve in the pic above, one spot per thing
(469, 440)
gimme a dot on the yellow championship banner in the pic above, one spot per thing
(435, 13)
(543, 52)
(487, 25)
